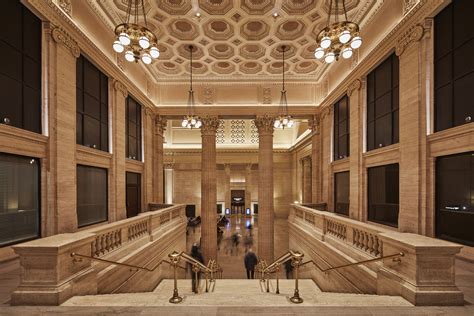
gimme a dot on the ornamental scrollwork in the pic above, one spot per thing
(412, 35)
(160, 124)
(264, 124)
(61, 37)
(209, 125)
(120, 87)
(315, 124)
(354, 86)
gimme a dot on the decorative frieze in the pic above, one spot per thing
(120, 87)
(412, 35)
(60, 36)
(208, 95)
(267, 96)
(264, 124)
(354, 86)
(408, 5)
(209, 125)
(66, 6)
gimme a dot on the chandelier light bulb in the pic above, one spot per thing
(285, 121)
(146, 58)
(345, 37)
(356, 42)
(193, 121)
(347, 52)
(198, 124)
(118, 47)
(124, 39)
(319, 53)
(154, 52)
(184, 123)
(276, 124)
(325, 42)
(330, 57)
(129, 56)
(144, 42)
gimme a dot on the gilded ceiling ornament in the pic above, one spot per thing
(265, 124)
(209, 125)
(120, 87)
(412, 35)
(61, 37)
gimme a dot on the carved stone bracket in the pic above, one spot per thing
(354, 86)
(264, 124)
(412, 35)
(209, 125)
(120, 87)
(327, 111)
(149, 112)
(315, 124)
(160, 124)
(61, 37)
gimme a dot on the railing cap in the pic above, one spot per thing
(55, 244)
(418, 243)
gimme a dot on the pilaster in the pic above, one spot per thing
(248, 186)
(148, 153)
(158, 173)
(307, 179)
(355, 149)
(227, 188)
(316, 184)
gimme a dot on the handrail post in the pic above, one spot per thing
(174, 259)
(268, 282)
(196, 279)
(207, 284)
(295, 262)
(277, 279)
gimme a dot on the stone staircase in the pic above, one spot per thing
(237, 293)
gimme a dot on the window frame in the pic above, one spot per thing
(337, 123)
(106, 196)
(138, 131)
(336, 191)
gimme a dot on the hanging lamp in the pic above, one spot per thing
(284, 119)
(191, 120)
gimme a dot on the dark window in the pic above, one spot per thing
(383, 197)
(134, 191)
(341, 128)
(19, 199)
(455, 198)
(382, 104)
(92, 191)
(134, 129)
(92, 103)
(20, 67)
(341, 193)
(454, 65)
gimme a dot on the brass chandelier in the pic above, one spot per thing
(340, 38)
(191, 120)
(137, 41)
(284, 119)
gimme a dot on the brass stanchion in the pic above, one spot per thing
(207, 284)
(295, 262)
(174, 259)
(196, 279)
(277, 269)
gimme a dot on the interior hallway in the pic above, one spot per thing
(232, 263)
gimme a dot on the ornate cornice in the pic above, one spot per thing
(120, 87)
(412, 35)
(315, 124)
(160, 124)
(354, 86)
(60, 36)
(209, 125)
(66, 6)
(264, 124)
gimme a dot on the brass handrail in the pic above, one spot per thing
(74, 255)
(396, 255)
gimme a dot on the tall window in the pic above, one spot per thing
(92, 191)
(383, 199)
(341, 128)
(341, 193)
(19, 199)
(92, 104)
(134, 129)
(133, 181)
(454, 66)
(20, 67)
(382, 104)
(455, 198)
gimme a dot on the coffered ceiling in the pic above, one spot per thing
(235, 38)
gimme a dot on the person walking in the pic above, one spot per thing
(248, 242)
(196, 254)
(289, 269)
(250, 261)
(235, 242)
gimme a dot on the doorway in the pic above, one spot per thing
(237, 201)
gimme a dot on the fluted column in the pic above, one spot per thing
(158, 192)
(265, 187)
(208, 188)
(227, 194)
(316, 184)
(248, 186)
(307, 180)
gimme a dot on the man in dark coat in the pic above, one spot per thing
(250, 261)
(196, 254)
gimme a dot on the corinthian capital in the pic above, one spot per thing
(209, 125)
(264, 124)
(160, 124)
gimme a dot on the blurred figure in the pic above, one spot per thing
(248, 242)
(250, 261)
(235, 243)
(289, 269)
(196, 254)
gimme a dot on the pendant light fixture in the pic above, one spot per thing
(284, 119)
(137, 42)
(340, 38)
(191, 120)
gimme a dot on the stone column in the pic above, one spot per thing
(307, 179)
(227, 193)
(265, 188)
(248, 186)
(158, 173)
(208, 188)
(118, 140)
(63, 52)
(316, 182)
(355, 157)
(413, 134)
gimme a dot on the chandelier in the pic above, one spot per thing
(283, 120)
(191, 120)
(339, 38)
(137, 41)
